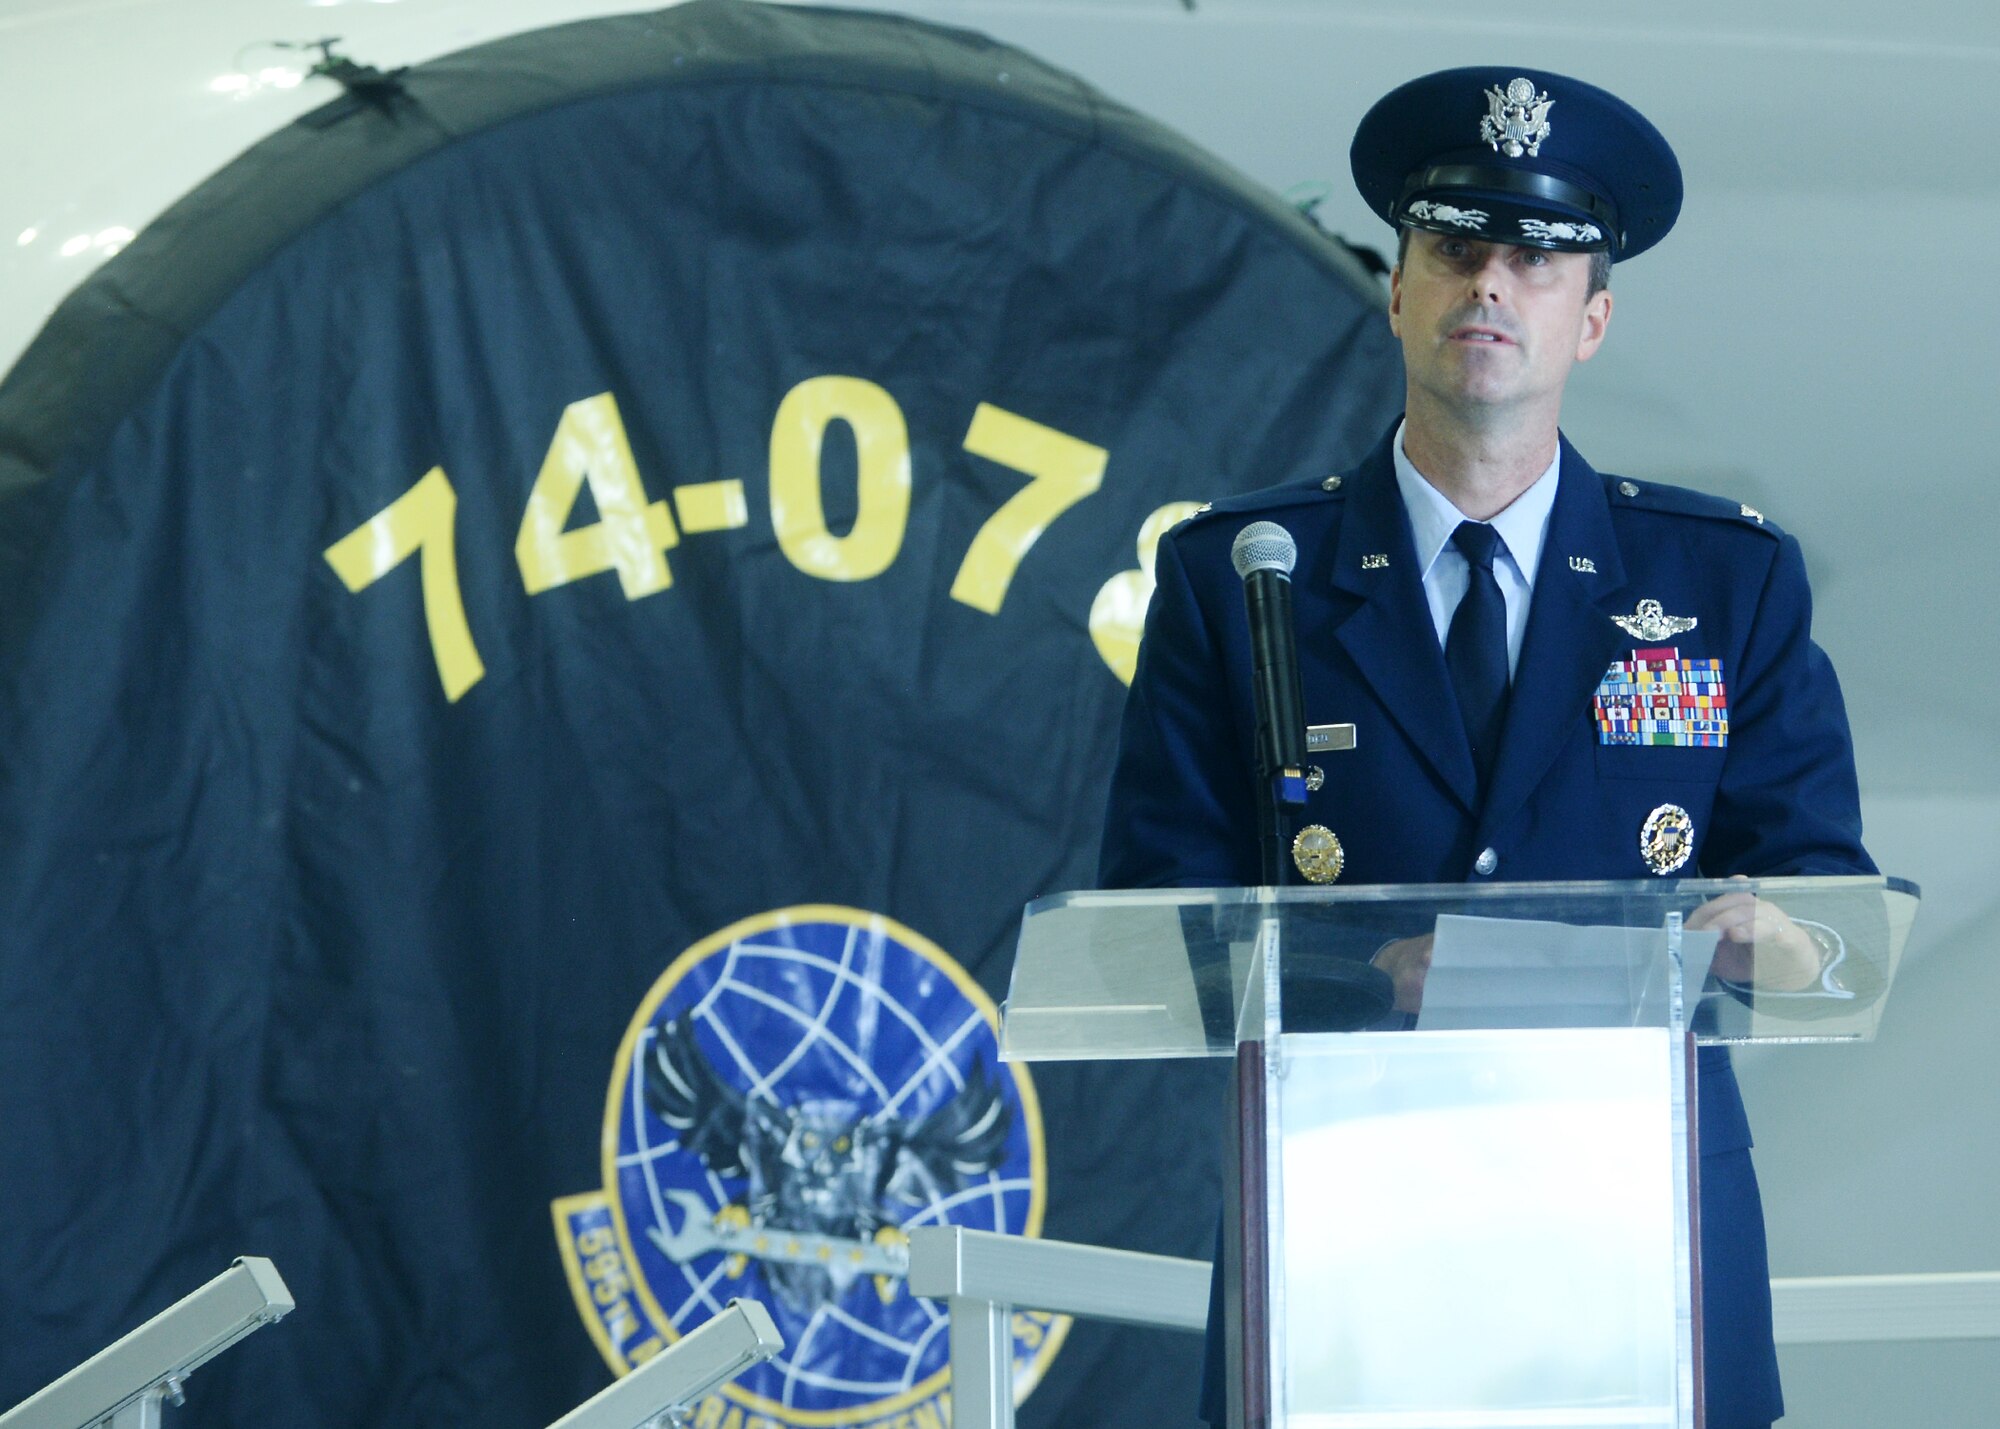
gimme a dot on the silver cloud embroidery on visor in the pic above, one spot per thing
(1444, 213)
(1561, 232)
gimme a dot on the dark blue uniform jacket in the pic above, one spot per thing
(1779, 798)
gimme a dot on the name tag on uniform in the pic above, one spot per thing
(1656, 697)
(1328, 738)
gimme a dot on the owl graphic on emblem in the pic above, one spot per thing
(822, 1169)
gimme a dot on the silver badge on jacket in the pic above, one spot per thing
(1666, 839)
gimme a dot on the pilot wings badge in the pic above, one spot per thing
(1651, 623)
(1517, 119)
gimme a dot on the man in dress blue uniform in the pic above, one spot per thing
(1461, 596)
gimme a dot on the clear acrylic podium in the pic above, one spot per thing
(1479, 1214)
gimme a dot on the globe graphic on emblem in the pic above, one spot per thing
(796, 1094)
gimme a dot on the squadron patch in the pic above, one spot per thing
(791, 1096)
(1656, 697)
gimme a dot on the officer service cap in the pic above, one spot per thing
(1518, 156)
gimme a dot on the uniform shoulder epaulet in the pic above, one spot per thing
(1628, 495)
(1269, 500)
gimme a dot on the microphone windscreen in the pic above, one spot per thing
(1263, 546)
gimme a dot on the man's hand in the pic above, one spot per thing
(1760, 944)
(1407, 961)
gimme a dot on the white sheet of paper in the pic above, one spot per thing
(1506, 972)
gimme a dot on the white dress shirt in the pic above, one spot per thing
(1522, 527)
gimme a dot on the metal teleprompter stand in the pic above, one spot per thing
(124, 1385)
(984, 1278)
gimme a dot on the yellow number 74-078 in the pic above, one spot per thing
(632, 534)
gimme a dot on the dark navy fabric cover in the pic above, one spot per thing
(302, 956)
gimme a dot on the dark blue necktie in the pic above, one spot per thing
(1475, 648)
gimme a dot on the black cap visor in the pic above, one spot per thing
(1506, 205)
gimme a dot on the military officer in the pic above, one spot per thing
(1551, 673)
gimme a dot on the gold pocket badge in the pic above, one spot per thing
(1317, 854)
(1666, 840)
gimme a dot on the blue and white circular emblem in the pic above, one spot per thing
(792, 1096)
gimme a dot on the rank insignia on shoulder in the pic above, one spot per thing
(1752, 513)
(1656, 697)
(1650, 622)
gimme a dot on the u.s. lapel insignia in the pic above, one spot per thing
(1317, 854)
(1666, 839)
(1584, 564)
(1649, 622)
(1375, 562)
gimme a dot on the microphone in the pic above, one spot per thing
(1264, 554)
